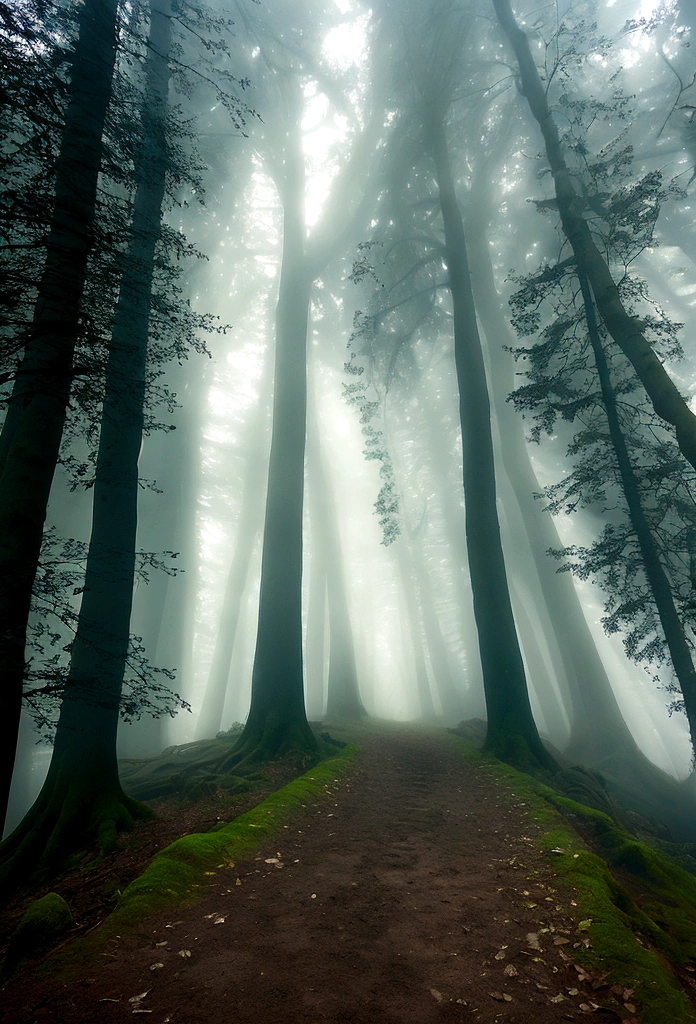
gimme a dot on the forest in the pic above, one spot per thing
(349, 411)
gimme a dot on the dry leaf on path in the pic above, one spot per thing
(137, 999)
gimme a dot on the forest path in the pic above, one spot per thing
(399, 898)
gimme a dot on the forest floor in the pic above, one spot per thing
(415, 892)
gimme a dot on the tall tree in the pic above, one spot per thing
(32, 431)
(624, 329)
(510, 724)
(277, 719)
(82, 792)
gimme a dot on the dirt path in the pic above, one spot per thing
(415, 893)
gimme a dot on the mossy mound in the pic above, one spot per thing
(45, 920)
(195, 770)
(641, 941)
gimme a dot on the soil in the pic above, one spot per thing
(414, 892)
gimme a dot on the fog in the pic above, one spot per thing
(330, 192)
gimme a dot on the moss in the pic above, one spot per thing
(619, 927)
(44, 921)
(177, 872)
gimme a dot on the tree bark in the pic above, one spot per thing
(677, 644)
(624, 328)
(511, 726)
(82, 795)
(598, 727)
(31, 435)
(277, 719)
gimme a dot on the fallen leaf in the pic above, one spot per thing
(584, 926)
(560, 940)
(585, 1006)
(507, 998)
(630, 1007)
(511, 971)
(573, 992)
(156, 967)
(560, 998)
(436, 995)
(238, 882)
(165, 943)
(137, 999)
(173, 924)
(500, 955)
(533, 940)
(219, 920)
(184, 952)
(497, 995)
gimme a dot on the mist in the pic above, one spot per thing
(324, 290)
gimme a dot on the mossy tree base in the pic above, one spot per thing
(527, 754)
(271, 737)
(70, 815)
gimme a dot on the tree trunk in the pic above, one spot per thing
(512, 733)
(624, 329)
(277, 720)
(598, 727)
(677, 644)
(33, 428)
(82, 794)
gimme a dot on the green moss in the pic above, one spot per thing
(618, 928)
(44, 921)
(177, 872)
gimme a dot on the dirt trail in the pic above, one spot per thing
(414, 893)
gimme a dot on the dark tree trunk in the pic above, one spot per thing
(82, 796)
(677, 644)
(277, 719)
(33, 428)
(512, 733)
(598, 727)
(624, 329)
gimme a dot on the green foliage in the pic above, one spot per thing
(375, 450)
(52, 628)
(562, 388)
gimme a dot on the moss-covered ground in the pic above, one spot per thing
(177, 873)
(634, 907)
(639, 943)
